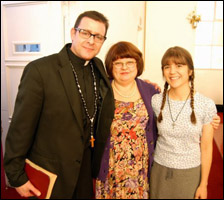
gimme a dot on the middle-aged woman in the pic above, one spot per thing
(127, 158)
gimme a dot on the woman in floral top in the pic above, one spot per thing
(128, 153)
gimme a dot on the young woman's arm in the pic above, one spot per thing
(206, 160)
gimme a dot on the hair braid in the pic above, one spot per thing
(160, 117)
(193, 117)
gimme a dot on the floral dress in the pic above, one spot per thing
(129, 156)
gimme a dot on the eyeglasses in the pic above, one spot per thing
(86, 35)
(129, 64)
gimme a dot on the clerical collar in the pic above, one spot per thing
(75, 59)
(86, 63)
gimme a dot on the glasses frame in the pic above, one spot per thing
(116, 64)
(96, 39)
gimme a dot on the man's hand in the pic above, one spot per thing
(215, 122)
(28, 190)
(156, 86)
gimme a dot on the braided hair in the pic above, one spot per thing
(178, 55)
(160, 117)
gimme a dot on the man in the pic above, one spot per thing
(61, 104)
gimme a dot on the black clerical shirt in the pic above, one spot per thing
(85, 79)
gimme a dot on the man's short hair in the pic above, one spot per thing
(95, 16)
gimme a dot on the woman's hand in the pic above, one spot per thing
(201, 192)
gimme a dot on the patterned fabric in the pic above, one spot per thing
(179, 147)
(128, 163)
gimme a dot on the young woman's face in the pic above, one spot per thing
(176, 75)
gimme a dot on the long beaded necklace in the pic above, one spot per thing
(174, 120)
(91, 118)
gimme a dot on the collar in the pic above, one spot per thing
(76, 61)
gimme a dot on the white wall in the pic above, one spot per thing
(4, 105)
(49, 23)
(166, 26)
(25, 22)
(126, 21)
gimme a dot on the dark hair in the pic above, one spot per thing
(178, 55)
(95, 16)
(123, 50)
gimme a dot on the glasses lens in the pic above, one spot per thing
(129, 64)
(118, 64)
(84, 34)
(99, 38)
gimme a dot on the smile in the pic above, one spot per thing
(124, 73)
(89, 49)
(174, 78)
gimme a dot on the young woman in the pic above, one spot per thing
(183, 152)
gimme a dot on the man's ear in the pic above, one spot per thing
(72, 33)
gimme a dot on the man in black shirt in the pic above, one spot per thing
(63, 112)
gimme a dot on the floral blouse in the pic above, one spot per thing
(129, 156)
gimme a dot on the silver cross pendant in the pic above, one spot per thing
(173, 124)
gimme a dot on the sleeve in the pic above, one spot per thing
(210, 111)
(155, 104)
(23, 125)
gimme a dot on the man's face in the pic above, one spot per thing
(87, 48)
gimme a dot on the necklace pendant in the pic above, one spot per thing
(92, 141)
(84, 102)
(173, 124)
(91, 120)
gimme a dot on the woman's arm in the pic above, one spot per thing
(206, 160)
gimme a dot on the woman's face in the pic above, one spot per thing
(176, 75)
(124, 70)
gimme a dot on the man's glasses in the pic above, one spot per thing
(129, 64)
(86, 35)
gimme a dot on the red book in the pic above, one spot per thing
(42, 179)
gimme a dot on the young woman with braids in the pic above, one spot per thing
(183, 153)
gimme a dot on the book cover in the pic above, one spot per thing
(42, 179)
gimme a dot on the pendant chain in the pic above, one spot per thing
(84, 102)
(174, 120)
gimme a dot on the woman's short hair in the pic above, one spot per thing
(123, 50)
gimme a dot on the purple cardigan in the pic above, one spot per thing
(147, 91)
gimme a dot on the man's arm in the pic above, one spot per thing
(154, 84)
(23, 126)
